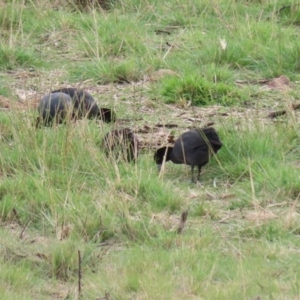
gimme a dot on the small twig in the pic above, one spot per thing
(166, 125)
(274, 114)
(23, 230)
(171, 46)
(224, 219)
(158, 31)
(182, 222)
(260, 81)
(79, 274)
(16, 216)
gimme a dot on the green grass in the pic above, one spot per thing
(199, 91)
(59, 194)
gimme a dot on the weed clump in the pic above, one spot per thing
(199, 91)
(13, 58)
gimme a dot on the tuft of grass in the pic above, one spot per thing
(199, 91)
(265, 156)
(11, 58)
(289, 14)
(271, 232)
(105, 72)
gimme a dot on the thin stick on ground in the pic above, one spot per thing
(275, 114)
(23, 230)
(79, 274)
(16, 216)
(182, 221)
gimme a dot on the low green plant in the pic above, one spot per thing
(199, 91)
(270, 231)
(14, 58)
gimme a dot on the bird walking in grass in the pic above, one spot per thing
(193, 148)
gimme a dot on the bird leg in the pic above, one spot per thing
(193, 174)
(199, 170)
(198, 176)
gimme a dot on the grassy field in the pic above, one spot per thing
(164, 67)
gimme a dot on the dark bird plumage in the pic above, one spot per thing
(54, 108)
(192, 148)
(85, 105)
(121, 143)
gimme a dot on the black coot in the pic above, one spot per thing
(85, 105)
(121, 143)
(54, 108)
(192, 148)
